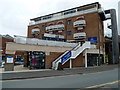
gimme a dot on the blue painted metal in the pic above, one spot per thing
(66, 57)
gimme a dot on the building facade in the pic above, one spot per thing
(79, 24)
(76, 25)
(73, 37)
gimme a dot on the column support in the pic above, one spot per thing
(70, 63)
(86, 59)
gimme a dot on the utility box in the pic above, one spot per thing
(9, 63)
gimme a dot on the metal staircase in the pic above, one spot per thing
(72, 54)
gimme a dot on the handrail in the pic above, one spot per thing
(54, 63)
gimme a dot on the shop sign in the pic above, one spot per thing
(9, 59)
(92, 39)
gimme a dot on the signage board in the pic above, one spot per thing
(66, 57)
(9, 59)
(92, 39)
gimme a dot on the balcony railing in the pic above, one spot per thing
(80, 35)
(35, 41)
(79, 23)
(35, 31)
(53, 35)
(55, 27)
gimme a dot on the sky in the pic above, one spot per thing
(15, 15)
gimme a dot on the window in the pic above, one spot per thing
(69, 12)
(46, 17)
(69, 33)
(43, 27)
(69, 22)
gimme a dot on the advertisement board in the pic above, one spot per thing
(9, 59)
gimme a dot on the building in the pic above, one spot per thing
(72, 25)
(78, 24)
(73, 37)
(4, 39)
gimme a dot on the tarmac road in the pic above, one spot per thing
(105, 79)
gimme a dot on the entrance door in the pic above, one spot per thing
(93, 59)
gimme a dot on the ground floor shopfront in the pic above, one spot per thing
(41, 57)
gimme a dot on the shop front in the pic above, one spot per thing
(36, 60)
(95, 59)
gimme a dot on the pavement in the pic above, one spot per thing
(24, 73)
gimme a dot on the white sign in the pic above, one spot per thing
(9, 59)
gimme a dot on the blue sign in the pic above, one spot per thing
(66, 57)
(92, 39)
(9, 56)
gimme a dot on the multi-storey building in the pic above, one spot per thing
(78, 24)
(64, 36)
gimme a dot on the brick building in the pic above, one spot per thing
(75, 25)
(4, 39)
(73, 37)
(72, 25)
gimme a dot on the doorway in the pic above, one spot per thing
(37, 59)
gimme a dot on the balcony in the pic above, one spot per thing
(53, 35)
(35, 31)
(79, 35)
(79, 23)
(55, 27)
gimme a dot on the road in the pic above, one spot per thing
(107, 79)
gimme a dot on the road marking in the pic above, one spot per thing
(110, 83)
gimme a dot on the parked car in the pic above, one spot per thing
(19, 62)
(2, 64)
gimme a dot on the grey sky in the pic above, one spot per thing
(15, 15)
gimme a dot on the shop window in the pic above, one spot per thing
(69, 33)
(69, 22)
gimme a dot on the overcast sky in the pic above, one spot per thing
(15, 15)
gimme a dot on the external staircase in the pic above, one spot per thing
(72, 54)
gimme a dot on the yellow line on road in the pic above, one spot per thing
(104, 84)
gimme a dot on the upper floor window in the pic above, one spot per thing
(69, 33)
(43, 27)
(47, 17)
(69, 22)
(68, 12)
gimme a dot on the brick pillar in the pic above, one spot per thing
(26, 59)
